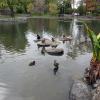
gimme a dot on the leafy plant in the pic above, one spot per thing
(81, 10)
(53, 9)
(95, 39)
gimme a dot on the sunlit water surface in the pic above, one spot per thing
(19, 81)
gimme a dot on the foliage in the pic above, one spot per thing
(51, 1)
(65, 7)
(95, 43)
(19, 8)
(9, 4)
(81, 10)
(69, 11)
(29, 8)
(96, 12)
(24, 4)
(2, 4)
(48, 3)
(53, 9)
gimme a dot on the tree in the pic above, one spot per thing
(53, 9)
(81, 10)
(68, 8)
(9, 4)
(25, 4)
(65, 7)
(19, 8)
(48, 3)
(29, 8)
(3, 4)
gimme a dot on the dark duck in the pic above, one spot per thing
(32, 63)
(38, 37)
(56, 67)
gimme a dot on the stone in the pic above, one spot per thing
(96, 94)
(45, 43)
(79, 91)
(96, 91)
(55, 51)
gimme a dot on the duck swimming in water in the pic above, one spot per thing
(56, 67)
(32, 63)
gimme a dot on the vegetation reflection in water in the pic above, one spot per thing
(14, 37)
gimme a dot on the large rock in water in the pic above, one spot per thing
(79, 91)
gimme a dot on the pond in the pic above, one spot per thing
(19, 81)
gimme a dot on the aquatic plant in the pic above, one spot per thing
(94, 71)
(95, 40)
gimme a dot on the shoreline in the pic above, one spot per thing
(24, 18)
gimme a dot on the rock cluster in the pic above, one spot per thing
(81, 91)
(96, 91)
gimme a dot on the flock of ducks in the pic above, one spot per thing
(55, 63)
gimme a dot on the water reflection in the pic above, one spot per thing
(80, 45)
(26, 83)
(3, 91)
(94, 25)
(51, 26)
(12, 37)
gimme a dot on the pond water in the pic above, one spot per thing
(19, 81)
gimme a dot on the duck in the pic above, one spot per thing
(67, 38)
(38, 37)
(53, 40)
(32, 63)
(56, 67)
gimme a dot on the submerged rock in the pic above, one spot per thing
(80, 91)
